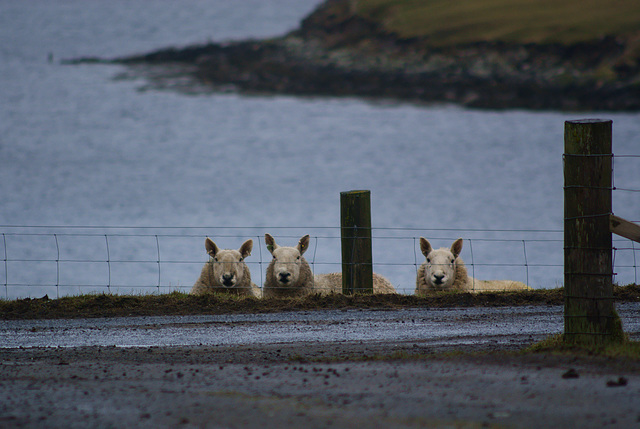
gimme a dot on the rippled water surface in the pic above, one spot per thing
(80, 146)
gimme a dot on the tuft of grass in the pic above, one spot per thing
(555, 344)
(447, 23)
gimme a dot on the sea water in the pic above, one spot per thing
(110, 184)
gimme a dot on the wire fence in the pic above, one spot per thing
(59, 261)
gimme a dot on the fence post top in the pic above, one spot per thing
(589, 121)
(361, 191)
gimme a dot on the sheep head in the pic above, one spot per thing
(441, 264)
(228, 265)
(286, 261)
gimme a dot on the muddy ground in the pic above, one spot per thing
(270, 386)
(315, 376)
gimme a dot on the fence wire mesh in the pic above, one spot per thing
(59, 261)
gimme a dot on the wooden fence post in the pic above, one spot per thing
(590, 317)
(355, 230)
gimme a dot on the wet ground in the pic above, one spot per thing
(452, 326)
(337, 368)
(433, 325)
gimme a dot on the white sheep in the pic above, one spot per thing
(289, 274)
(332, 283)
(444, 270)
(226, 271)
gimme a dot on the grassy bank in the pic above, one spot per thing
(445, 23)
(499, 54)
(555, 344)
(176, 303)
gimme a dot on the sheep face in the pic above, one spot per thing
(287, 261)
(440, 266)
(228, 265)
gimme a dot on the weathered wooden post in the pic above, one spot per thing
(590, 317)
(355, 230)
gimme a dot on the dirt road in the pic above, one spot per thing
(409, 382)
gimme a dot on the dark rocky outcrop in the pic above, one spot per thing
(337, 53)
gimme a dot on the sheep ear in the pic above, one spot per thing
(211, 247)
(303, 244)
(271, 243)
(245, 249)
(456, 247)
(425, 246)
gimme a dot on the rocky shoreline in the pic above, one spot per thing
(334, 53)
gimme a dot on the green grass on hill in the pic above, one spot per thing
(447, 22)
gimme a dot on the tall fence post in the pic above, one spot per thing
(590, 317)
(355, 230)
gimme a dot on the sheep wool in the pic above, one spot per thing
(332, 283)
(289, 274)
(444, 270)
(226, 272)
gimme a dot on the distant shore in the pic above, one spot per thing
(334, 54)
